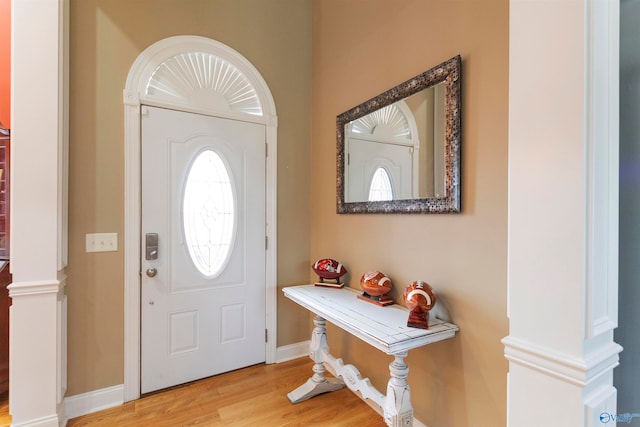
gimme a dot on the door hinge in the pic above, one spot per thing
(266, 242)
(266, 335)
(266, 149)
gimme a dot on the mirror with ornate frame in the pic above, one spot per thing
(399, 152)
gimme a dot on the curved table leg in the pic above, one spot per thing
(318, 383)
(398, 411)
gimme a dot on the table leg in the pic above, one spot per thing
(317, 384)
(398, 411)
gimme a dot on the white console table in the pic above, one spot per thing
(385, 328)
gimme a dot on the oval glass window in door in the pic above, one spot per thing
(380, 188)
(209, 213)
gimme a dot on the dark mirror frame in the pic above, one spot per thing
(449, 72)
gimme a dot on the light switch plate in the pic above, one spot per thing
(101, 242)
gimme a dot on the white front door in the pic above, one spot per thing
(365, 157)
(202, 246)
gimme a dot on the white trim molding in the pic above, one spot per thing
(49, 421)
(576, 371)
(563, 212)
(136, 93)
(93, 401)
(602, 164)
(600, 407)
(292, 351)
(38, 352)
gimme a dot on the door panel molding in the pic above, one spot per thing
(136, 94)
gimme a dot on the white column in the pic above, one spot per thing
(38, 213)
(563, 212)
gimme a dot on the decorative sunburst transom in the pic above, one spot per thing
(206, 80)
(388, 121)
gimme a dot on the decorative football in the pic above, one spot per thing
(419, 294)
(328, 268)
(419, 297)
(375, 283)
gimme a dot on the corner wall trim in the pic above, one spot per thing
(93, 401)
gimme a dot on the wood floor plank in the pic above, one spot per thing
(5, 418)
(254, 396)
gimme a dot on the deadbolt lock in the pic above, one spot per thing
(151, 246)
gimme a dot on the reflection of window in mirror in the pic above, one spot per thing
(409, 136)
(386, 138)
(380, 188)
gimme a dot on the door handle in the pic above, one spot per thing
(151, 272)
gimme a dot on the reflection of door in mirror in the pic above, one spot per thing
(365, 159)
(382, 144)
(405, 140)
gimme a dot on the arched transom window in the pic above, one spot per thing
(203, 78)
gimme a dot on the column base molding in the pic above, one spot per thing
(18, 289)
(50, 421)
(576, 371)
(38, 356)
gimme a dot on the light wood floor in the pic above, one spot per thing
(5, 419)
(254, 396)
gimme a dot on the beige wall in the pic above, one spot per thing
(106, 37)
(361, 48)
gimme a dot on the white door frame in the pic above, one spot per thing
(137, 92)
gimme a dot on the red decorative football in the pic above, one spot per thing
(375, 283)
(328, 268)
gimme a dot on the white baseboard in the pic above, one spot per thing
(50, 421)
(292, 351)
(93, 401)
